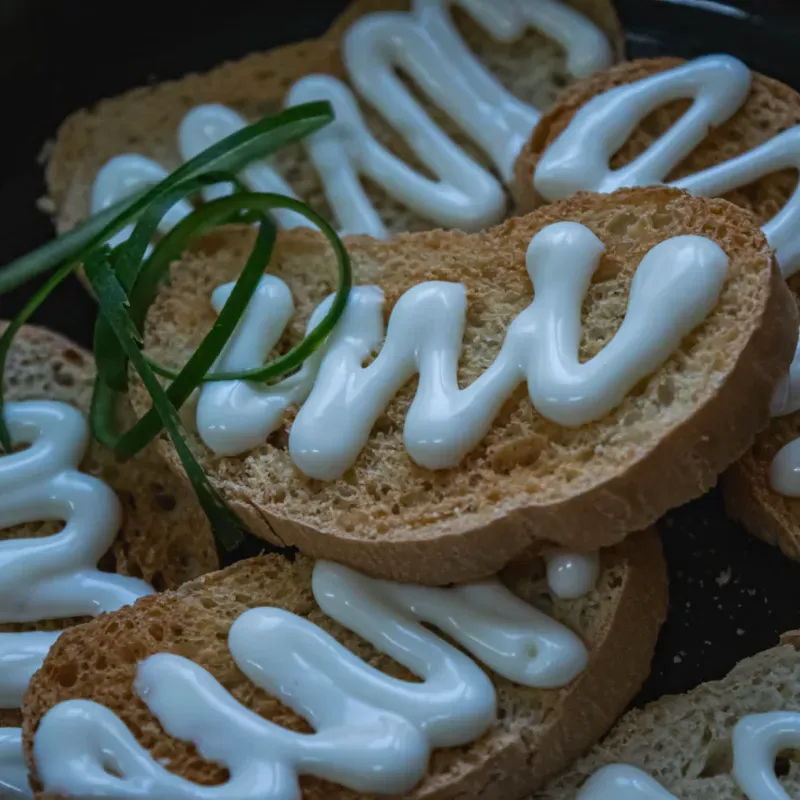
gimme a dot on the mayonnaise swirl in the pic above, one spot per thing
(425, 44)
(674, 288)
(52, 577)
(578, 159)
(372, 733)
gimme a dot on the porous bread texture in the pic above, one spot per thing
(529, 479)
(684, 742)
(537, 732)
(146, 119)
(164, 538)
(770, 108)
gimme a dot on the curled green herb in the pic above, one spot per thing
(125, 281)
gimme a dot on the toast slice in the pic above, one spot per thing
(164, 538)
(146, 120)
(684, 742)
(750, 498)
(581, 487)
(771, 108)
(537, 731)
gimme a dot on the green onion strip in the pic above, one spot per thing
(126, 281)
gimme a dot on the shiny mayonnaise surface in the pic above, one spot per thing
(52, 577)
(426, 45)
(757, 741)
(579, 158)
(372, 732)
(675, 287)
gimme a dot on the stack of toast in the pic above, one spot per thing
(573, 312)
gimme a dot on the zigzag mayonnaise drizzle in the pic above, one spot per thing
(373, 733)
(675, 287)
(426, 44)
(579, 158)
(757, 740)
(55, 576)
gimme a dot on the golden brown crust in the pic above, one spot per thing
(770, 108)
(530, 479)
(538, 733)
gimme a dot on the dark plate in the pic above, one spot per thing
(731, 595)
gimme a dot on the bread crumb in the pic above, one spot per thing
(46, 205)
(723, 579)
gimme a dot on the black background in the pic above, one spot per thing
(731, 595)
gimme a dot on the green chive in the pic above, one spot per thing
(229, 155)
(112, 300)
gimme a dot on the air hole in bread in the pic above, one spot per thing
(73, 357)
(157, 581)
(108, 562)
(719, 759)
(67, 675)
(156, 631)
(666, 392)
(783, 763)
(61, 377)
(165, 501)
(279, 439)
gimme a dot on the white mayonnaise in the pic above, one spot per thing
(757, 741)
(426, 44)
(373, 733)
(622, 782)
(206, 125)
(571, 575)
(55, 576)
(125, 175)
(675, 287)
(13, 769)
(579, 158)
(784, 472)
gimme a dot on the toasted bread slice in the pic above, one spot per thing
(684, 742)
(750, 498)
(771, 107)
(165, 538)
(582, 487)
(146, 120)
(537, 731)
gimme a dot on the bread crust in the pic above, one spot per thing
(681, 464)
(514, 758)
